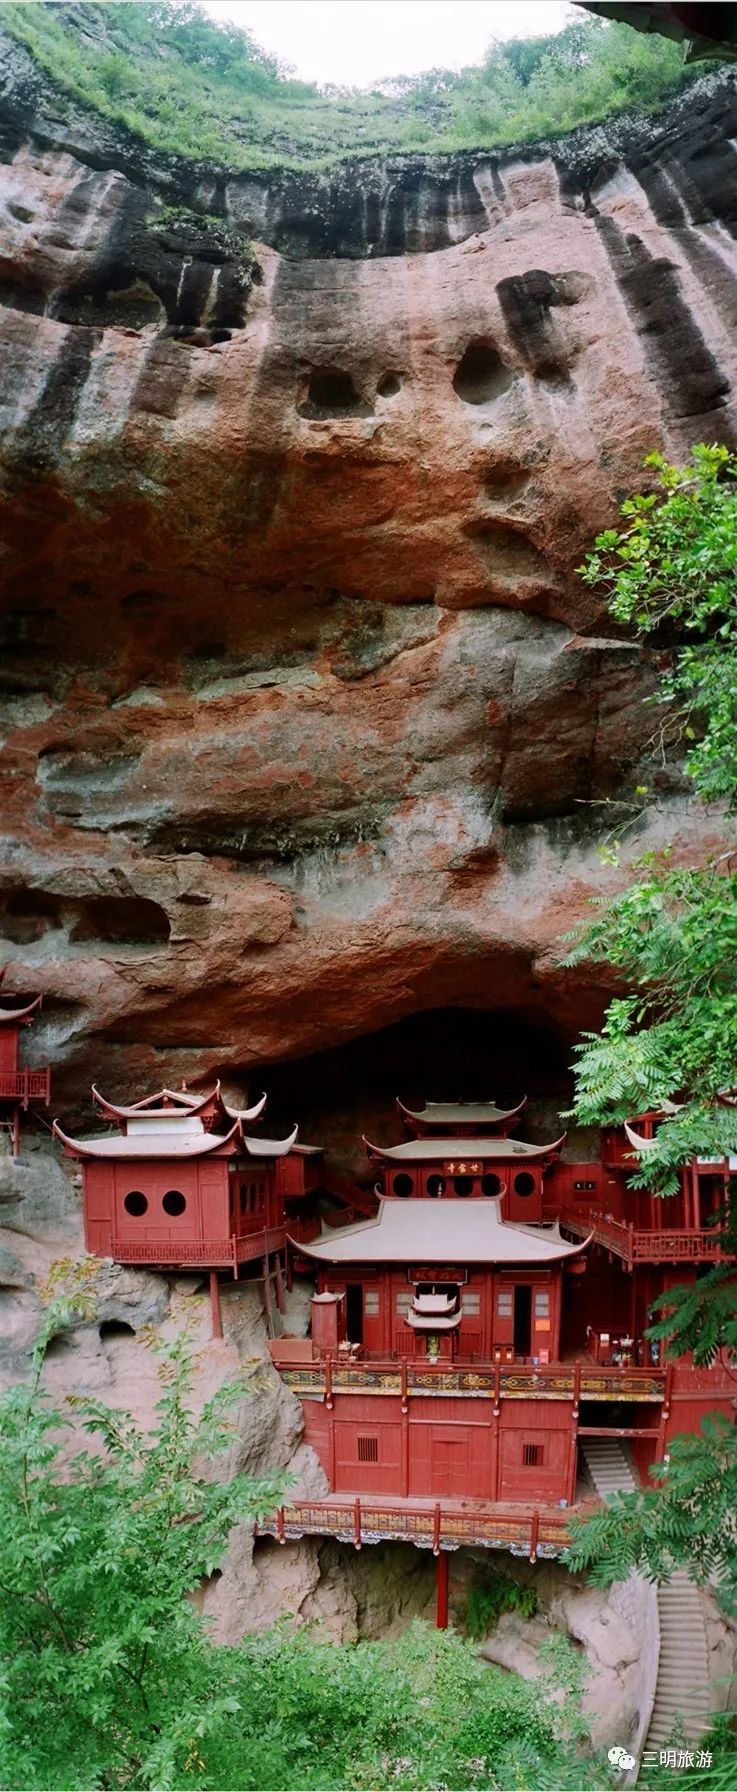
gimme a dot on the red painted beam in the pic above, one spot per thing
(441, 1590)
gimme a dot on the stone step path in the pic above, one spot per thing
(608, 1465)
(682, 1691)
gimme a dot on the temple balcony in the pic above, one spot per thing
(25, 1085)
(524, 1530)
(636, 1244)
(199, 1253)
(323, 1378)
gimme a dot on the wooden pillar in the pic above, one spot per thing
(217, 1320)
(280, 1301)
(664, 1413)
(268, 1302)
(331, 1448)
(289, 1278)
(16, 1132)
(441, 1590)
(573, 1441)
(404, 1432)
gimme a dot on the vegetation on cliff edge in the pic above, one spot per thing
(110, 1680)
(182, 83)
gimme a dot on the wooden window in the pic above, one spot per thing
(404, 1301)
(505, 1303)
(371, 1303)
(532, 1455)
(542, 1301)
(471, 1303)
(368, 1449)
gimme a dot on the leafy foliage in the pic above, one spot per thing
(689, 1518)
(109, 1678)
(488, 1598)
(106, 1676)
(675, 562)
(673, 936)
(177, 79)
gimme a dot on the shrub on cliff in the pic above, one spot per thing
(108, 1676)
(673, 936)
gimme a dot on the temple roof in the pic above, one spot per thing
(12, 1017)
(190, 1142)
(430, 1231)
(448, 1114)
(165, 1104)
(486, 1150)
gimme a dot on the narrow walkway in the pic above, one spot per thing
(682, 1692)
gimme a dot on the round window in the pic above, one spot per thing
(491, 1184)
(173, 1203)
(436, 1185)
(524, 1183)
(135, 1203)
(402, 1184)
(463, 1184)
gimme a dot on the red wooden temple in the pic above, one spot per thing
(182, 1184)
(473, 1335)
(18, 1086)
(477, 1325)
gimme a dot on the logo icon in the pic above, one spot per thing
(619, 1758)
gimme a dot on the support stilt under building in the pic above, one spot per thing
(441, 1590)
(217, 1318)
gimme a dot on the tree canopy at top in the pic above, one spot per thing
(181, 81)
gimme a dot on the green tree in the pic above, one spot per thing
(106, 1674)
(671, 571)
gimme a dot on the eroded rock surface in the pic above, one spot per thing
(308, 721)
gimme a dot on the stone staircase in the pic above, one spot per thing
(682, 1690)
(681, 1703)
(608, 1465)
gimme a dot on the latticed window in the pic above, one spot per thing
(368, 1449)
(371, 1303)
(532, 1455)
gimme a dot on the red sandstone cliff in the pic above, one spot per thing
(306, 714)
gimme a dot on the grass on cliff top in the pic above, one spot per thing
(187, 85)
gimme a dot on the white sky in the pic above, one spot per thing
(357, 42)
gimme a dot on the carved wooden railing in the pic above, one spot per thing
(637, 1244)
(559, 1381)
(25, 1085)
(436, 1527)
(214, 1253)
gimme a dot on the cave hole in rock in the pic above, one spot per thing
(442, 1054)
(504, 479)
(133, 306)
(21, 295)
(507, 551)
(121, 920)
(389, 385)
(331, 392)
(481, 374)
(58, 1348)
(26, 915)
(116, 1328)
